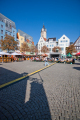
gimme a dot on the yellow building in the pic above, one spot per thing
(23, 37)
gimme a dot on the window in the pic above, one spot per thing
(1, 26)
(1, 37)
(61, 44)
(63, 37)
(62, 49)
(10, 26)
(66, 40)
(47, 45)
(66, 44)
(49, 49)
(9, 33)
(13, 35)
(13, 31)
(50, 40)
(6, 23)
(1, 31)
(5, 32)
(61, 40)
(50, 45)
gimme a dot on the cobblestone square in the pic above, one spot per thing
(51, 94)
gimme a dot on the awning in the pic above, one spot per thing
(44, 55)
(15, 53)
(69, 55)
(78, 54)
(4, 53)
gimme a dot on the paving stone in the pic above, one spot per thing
(54, 92)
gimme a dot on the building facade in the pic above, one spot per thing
(24, 37)
(63, 42)
(77, 44)
(7, 26)
(51, 43)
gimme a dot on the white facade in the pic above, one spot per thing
(43, 32)
(42, 40)
(50, 43)
(64, 42)
(41, 43)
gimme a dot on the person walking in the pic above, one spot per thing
(46, 61)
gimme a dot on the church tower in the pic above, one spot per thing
(43, 32)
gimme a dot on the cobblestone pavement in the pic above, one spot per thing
(11, 71)
(52, 94)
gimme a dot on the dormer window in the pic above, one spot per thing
(63, 37)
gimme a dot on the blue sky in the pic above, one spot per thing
(59, 17)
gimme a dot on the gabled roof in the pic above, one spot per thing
(76, 40)
(63, 36)
(32, 43)
(54, 39)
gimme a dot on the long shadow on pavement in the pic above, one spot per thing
(12, 99)
(77, 68)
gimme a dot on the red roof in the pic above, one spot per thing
(28, 41)
(45, 39)
(17, 35)
(32, 43)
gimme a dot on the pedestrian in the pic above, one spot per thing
(46, 61)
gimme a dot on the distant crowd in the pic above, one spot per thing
(52, 59)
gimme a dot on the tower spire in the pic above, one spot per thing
(43, 26)
(43, 31)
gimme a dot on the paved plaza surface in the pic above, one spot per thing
(51, 94)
